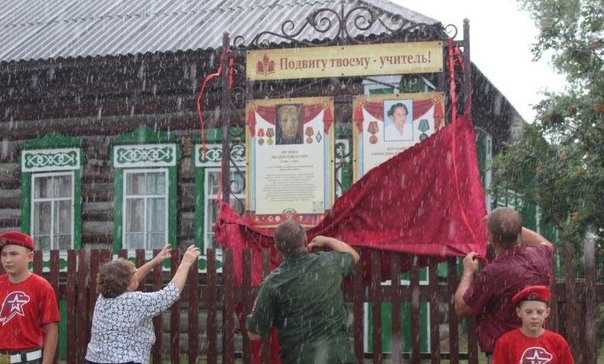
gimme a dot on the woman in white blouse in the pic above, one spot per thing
(122, 324)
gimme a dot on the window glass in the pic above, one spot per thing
(145, 209)
(52, 210)
(213, 186)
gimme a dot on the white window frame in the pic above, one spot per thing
(125, 198)
(53, 200)
(209, 199)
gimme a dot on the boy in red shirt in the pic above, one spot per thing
(29, 314)
(531, 343)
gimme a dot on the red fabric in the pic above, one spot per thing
(198, 106)
(409, 204)
(375, 109)
(425, 201)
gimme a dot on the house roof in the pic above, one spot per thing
(51, 29)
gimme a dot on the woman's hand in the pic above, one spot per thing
(191, 255)
(165, 253)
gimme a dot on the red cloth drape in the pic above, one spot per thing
(426, 201)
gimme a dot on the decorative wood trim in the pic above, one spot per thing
(52, 152)
(213, 155)
(50, 160)
(144, 156)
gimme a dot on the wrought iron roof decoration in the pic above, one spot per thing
(349, 25)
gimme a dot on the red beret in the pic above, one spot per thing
(532, 293)
(16, 238)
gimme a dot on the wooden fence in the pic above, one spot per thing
(217, 338)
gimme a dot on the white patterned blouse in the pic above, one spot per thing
(122, 327)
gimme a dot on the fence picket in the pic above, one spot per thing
(70, 299)
(157, 284)
(453, 320)
(357, 311)
(434, 311)
(376, 307)
(397, 330)
(175, 314)
(591, 329)
(247, 302)
(415, 313)
(228, 346)
(211, 295)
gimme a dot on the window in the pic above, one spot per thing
(145, 209)
(52, 210)
(213, 186)
(51, 189)
(208, 184)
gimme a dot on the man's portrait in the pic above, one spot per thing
(289, 127)
(398, 120)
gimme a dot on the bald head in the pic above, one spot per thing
(505, 226)
(289, 238)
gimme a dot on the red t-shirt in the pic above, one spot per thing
(517, 348)
(26, 307)
(490, 295)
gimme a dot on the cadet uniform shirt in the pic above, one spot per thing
(515, 347)
(303, 299)
(26, 307)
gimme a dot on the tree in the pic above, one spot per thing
(559, 162)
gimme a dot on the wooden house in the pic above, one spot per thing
(99, 134)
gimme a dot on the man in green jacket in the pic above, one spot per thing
(303, 299)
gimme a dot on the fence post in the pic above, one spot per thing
(246, 286)
(376, 304)
(433, 288)
(70, 298)
(228, 347)
(591, 329)
(158, 321)
(357, 309)
(453, 321)
(83, 308)
(570, 301)
(193, 291)
(396, 294)
(211, 306)
(416, 347)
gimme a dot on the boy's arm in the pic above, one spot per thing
(51, 338)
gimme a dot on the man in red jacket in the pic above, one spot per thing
(524, 258)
